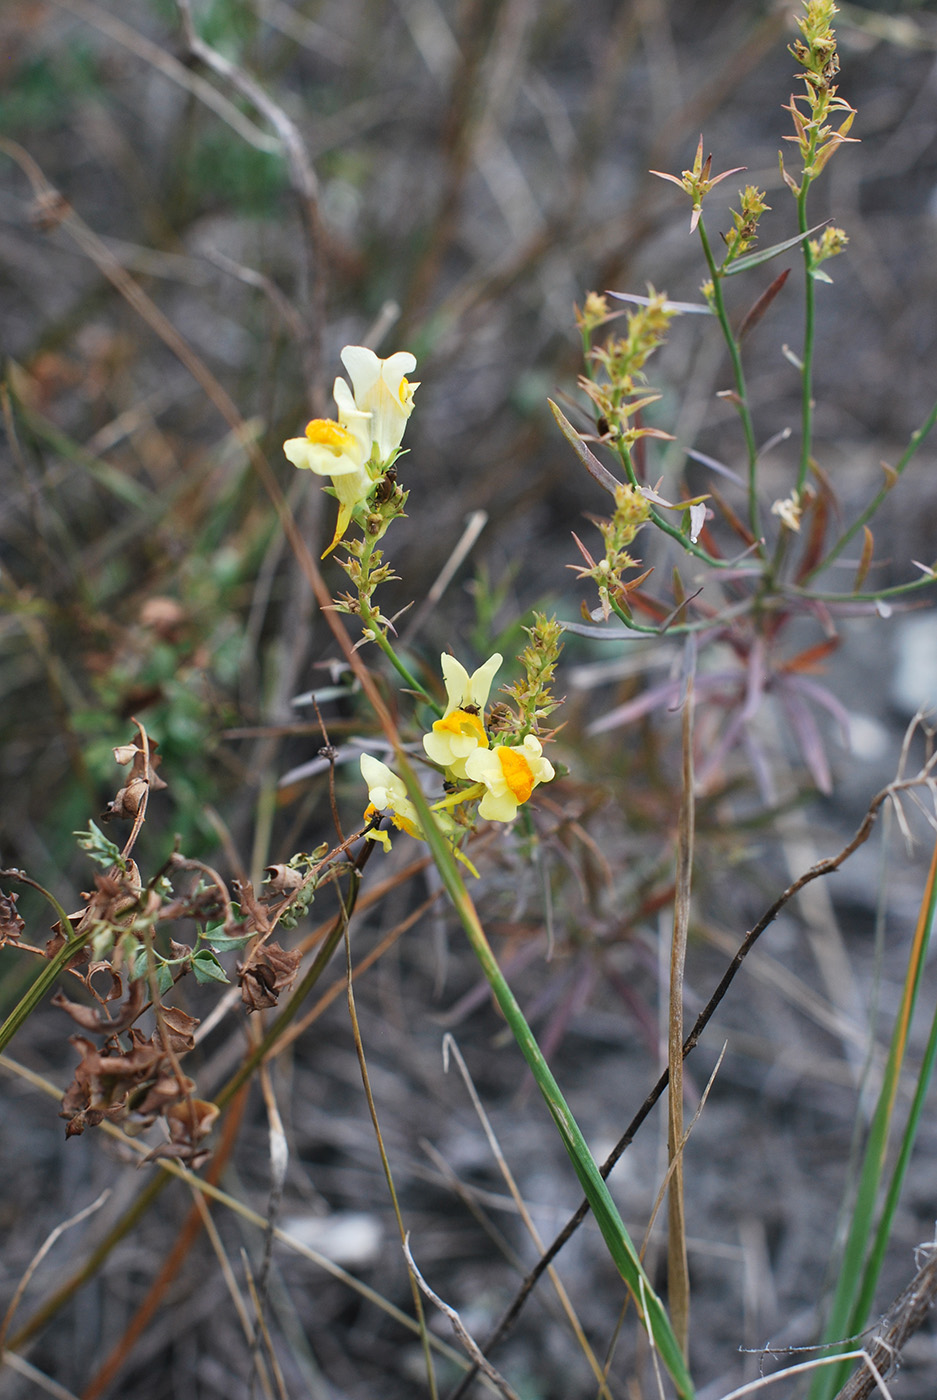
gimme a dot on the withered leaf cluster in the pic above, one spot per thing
(125, 1075)
(140, 1082)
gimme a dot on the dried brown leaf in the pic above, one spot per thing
(266, 974)
(11, 924)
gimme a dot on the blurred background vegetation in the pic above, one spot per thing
(478, 168)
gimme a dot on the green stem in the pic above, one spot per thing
(680, 629)
(896, 591)
(34, 995)
(379, 636)
(735, 355)
(806, 444)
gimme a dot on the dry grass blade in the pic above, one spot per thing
(262, 1333)
(385, 1160)
(458, 1326)
(234, 1292)
(804, 1368)
(39, 1379)
(279, 1162)
(170, 1168)
(40, 1255)
(129, 38)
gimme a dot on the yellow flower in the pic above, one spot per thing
(462, 729)
(388, 793)
(382, 390)
(338, 450)
(510, 776)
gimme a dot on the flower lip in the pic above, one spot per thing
(382, 390)
(339, 450)
(510, 774)
(464, 690)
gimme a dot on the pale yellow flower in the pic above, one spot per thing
(388, 793)
(339, 450)
(510, 775)
(789, 510)
(382, 390)
(462, 728)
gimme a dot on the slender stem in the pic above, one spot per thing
(806, 442)
(385, 1162)
(738, 373)
(896, 591)
(678, 1278)
(681, 629)
(32, 997)
(375, 628)
(379, 636)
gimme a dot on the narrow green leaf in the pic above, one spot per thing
(862, 1256)
(98, 846)
(651, 1310)
(766, 254)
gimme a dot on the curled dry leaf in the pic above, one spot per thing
(11, 924)
(189, 1122)
(91, 1019)
(104, 1079)
(257, 916)
(283, 880)
(268, 972)
(116, 893)
(176, 1030)
(160, 1095)
(142, 1080)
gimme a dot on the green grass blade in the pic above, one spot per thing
(650, 1308)
(858, 1271)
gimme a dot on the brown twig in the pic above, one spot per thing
(907, 1315)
